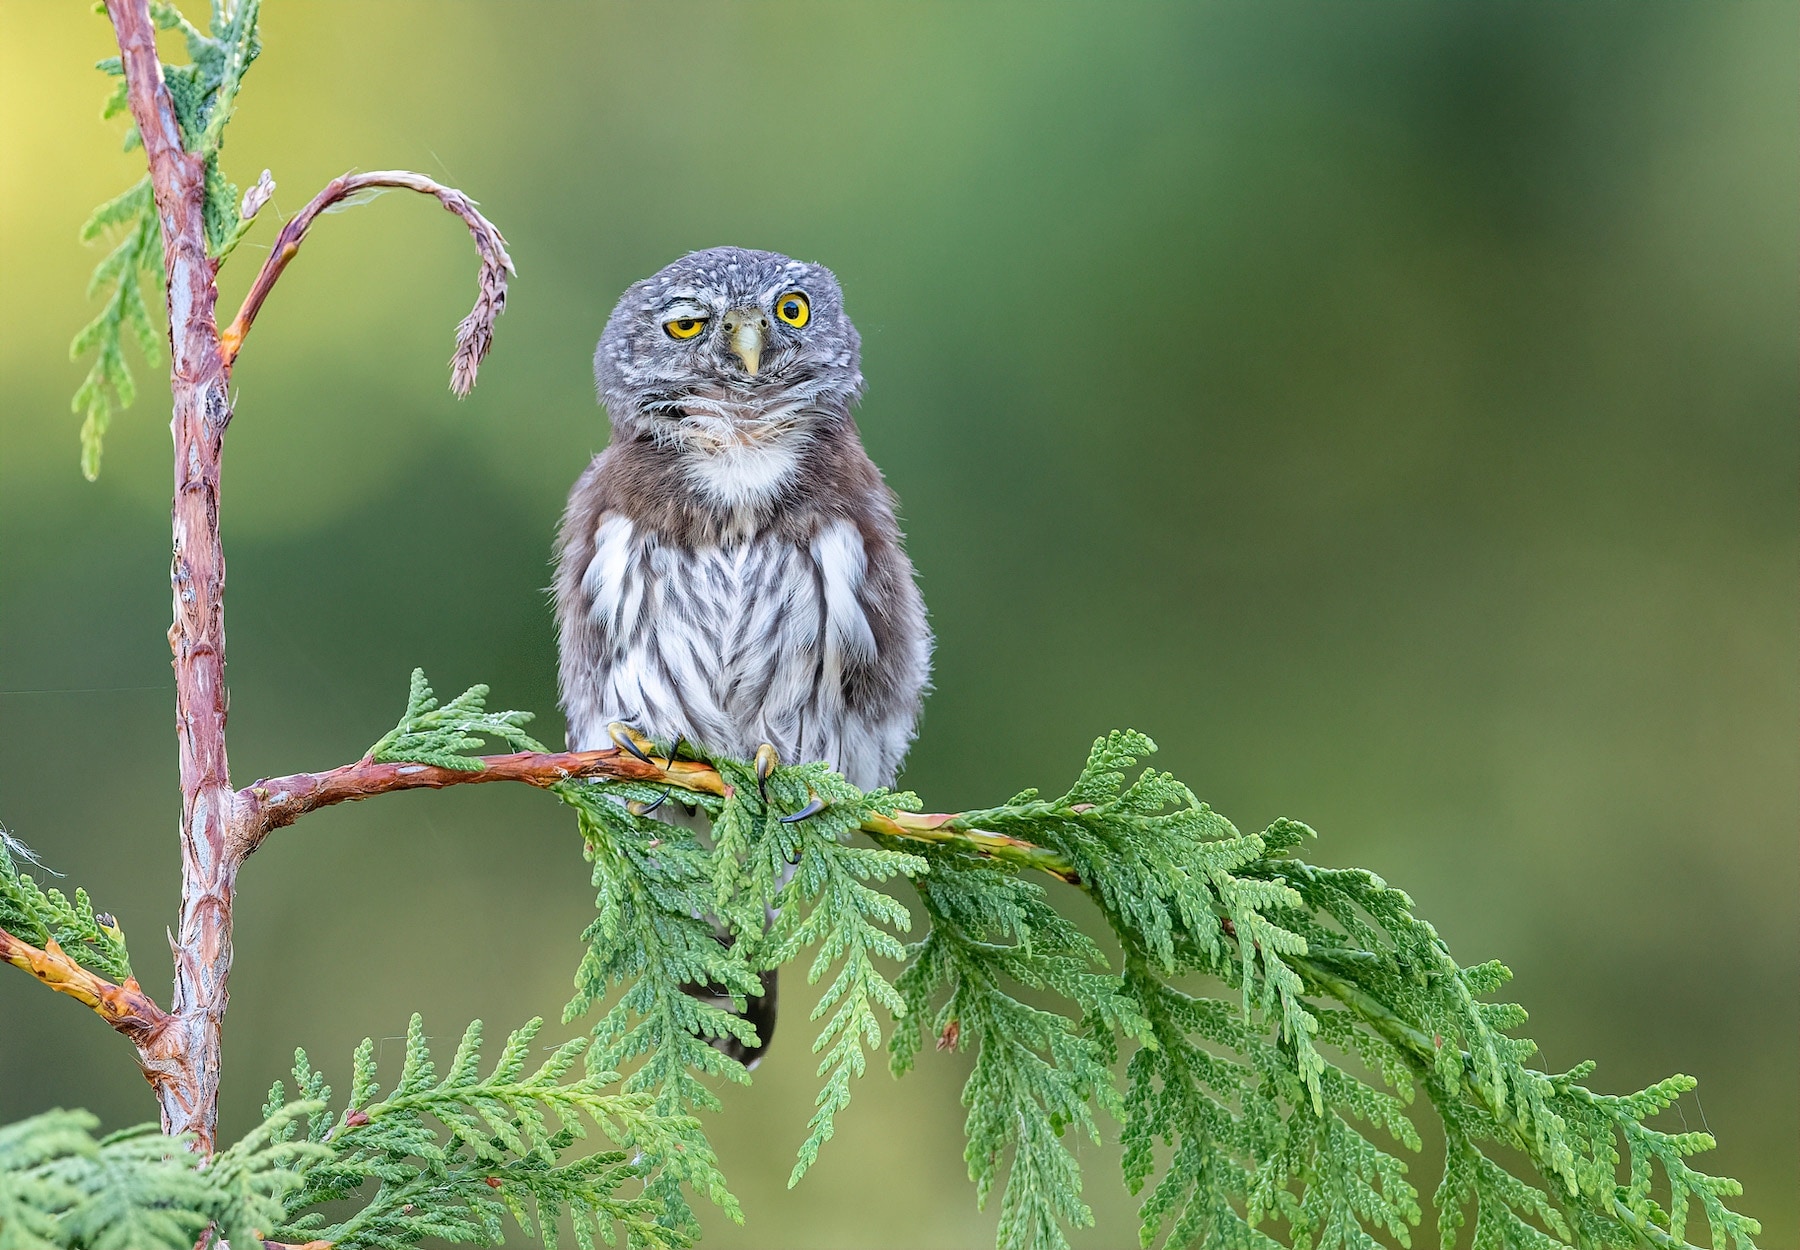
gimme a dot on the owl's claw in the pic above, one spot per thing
(767, 761)
(814, 805)
(674, 751)
(638, 808)
(626, 739)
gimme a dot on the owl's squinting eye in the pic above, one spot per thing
(793, 309)
(684, 327)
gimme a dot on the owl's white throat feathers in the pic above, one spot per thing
(740, 451)
(740, 476)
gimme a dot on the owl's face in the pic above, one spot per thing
(728, 346)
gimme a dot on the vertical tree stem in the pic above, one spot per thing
(184, 1056)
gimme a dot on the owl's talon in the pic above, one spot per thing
(814, 805)
(638, 808)
(767, 761)
(674, 751)
(626, 739)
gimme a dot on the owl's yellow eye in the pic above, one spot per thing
(793, 309)
(684, 327)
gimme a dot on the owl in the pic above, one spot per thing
(730, 569)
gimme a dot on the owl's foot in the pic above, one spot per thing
(636, 744)
(639, 808)
(630, 741)
(767, 761)
(674, 751)
(814, 805)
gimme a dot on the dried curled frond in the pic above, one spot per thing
(475, 332)
(474, 335)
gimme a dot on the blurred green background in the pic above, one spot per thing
(1388, 407)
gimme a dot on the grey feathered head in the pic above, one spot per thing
(728, 344)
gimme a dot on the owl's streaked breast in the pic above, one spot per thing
(730, 645)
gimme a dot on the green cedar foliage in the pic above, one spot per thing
(444, 736)
(447, 1157)
(134, 260)
(674, 912)
(649, 936)
(827, 906)
(38, 916)
(203, 93)
(63, 1189)
(1273, 1116)
(1037, 1072)
(442, 1158)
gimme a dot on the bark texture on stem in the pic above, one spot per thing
(187, 1049)
(181, 1052)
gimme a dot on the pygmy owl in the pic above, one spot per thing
(729, 569)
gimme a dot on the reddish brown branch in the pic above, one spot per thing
(188, 1045)
(182, 1055)
(276, 801)
(273, 802)
(476, 333)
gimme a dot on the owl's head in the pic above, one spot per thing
(728, 346)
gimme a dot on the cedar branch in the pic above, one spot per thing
(184, 1059)
(476, 332)
(125, 1007)
(274, 802)
(218, 825)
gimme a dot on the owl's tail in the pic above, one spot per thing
(758, 1012)
(759, 1009)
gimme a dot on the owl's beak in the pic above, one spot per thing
(745, 331)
